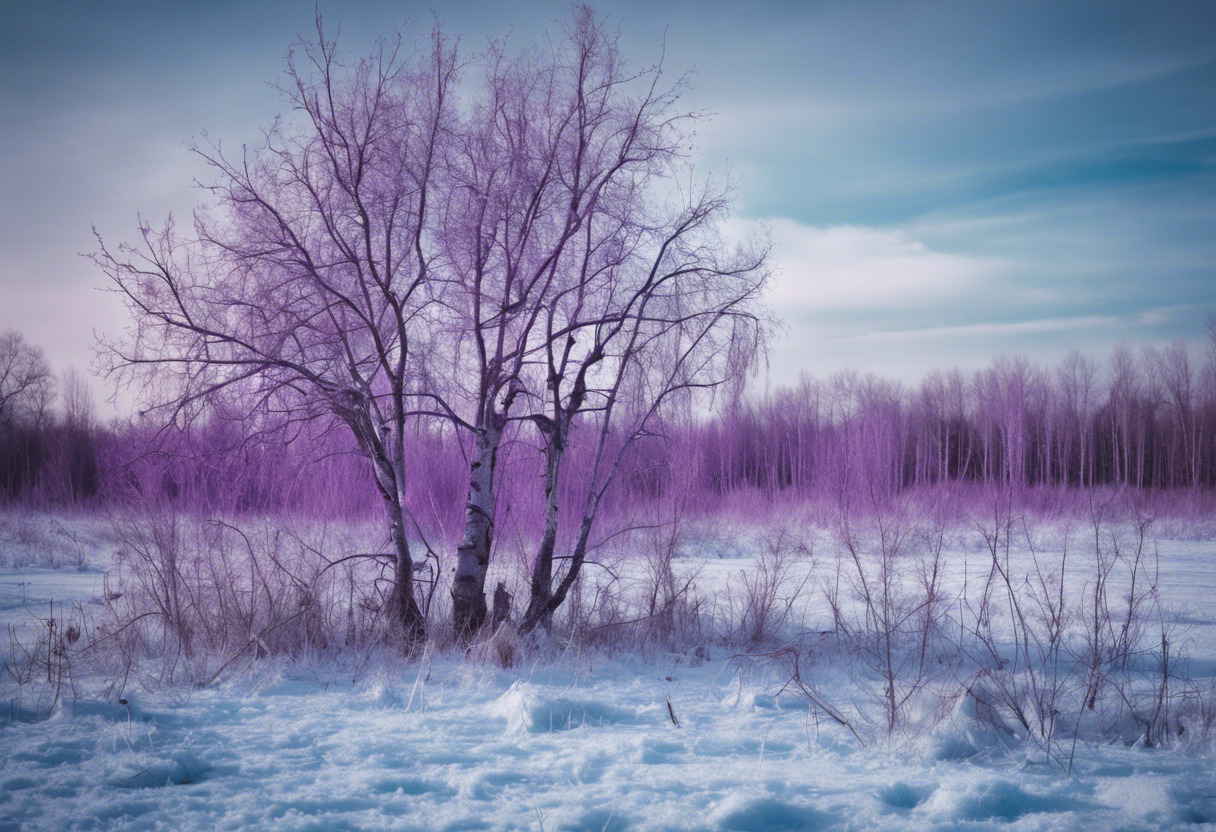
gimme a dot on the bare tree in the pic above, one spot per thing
(409, 246)
(570, 264)
(1077, 376)
(298, 298)
(26, 383)
(1173, 366)
(636, 300)
(76, 451)
(684, 321)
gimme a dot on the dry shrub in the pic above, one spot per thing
(1074, 644)
(760, 602)
(192, 598)
(887, 605)
(500, 647)
(33, 540)
(43, 670)
(672, 611)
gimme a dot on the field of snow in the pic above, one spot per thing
(566, 739)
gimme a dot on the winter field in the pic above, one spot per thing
(881, 674)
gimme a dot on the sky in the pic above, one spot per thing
(943, 181)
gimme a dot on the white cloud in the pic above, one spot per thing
(849, 267)
(989, 330)
(891, 301)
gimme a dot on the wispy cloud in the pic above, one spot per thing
(848, 267)
(986, 330)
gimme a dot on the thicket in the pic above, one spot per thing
(1144, 420)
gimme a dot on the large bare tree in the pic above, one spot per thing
(639, 329)
(426, 239)
(299, 294)
(573, 247)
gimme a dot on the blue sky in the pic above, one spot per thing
(944, 181)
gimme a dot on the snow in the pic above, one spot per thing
(489, 750)
(566, 740)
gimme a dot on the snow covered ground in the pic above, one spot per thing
(539, 749)
(578, 740)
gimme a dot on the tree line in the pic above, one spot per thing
(1144, 419)
(50, 440)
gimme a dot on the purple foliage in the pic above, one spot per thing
(1014, 424)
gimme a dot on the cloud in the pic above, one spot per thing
(849, 267)
(904, 300)
(989, 330)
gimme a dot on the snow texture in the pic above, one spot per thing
(572, 742)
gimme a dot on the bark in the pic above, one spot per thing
(577, 556)
(542, 607)
(402, 603)
(502, 606)
(539, 612)
(473, 554)
(390, 480)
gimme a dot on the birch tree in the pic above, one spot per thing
(302, 293)
(570, 241)
(675, 313)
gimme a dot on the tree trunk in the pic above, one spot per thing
(473, 554)
(577, 555)
(539, 611)
(403, 604)
(390, 479)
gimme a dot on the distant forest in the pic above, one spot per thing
(1144, 419)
